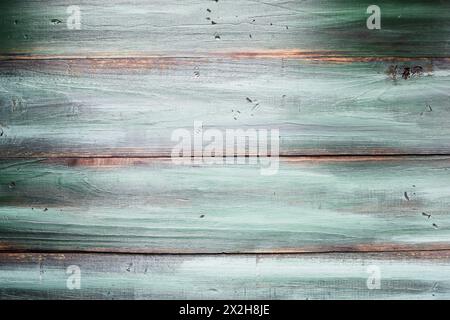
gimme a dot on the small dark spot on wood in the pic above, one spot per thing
(429, 109)
(12, 185)
(16, 21)
(209, 10)
(213, 22)
(406, 196)
(250, 36)
(202, 216)
(129, 267)
(217, 36)
(208, 18)
(249, 100)
(406, 73)
(435, 226)
(287, 28)
(392, 72)
(417, 70)
(55, 21)
(46, 209)
(426, 215)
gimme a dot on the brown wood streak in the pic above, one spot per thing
(424, 250)
(437, 255)
(141, 64)
(133, 59)
(134, 161)
(142, 153)
(392, 251)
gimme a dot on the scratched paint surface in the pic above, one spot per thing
(327, 276)
(320, 206)
(173, 27)
(104, 108)
(86, 179)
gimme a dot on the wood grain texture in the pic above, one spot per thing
(171, 27)
(154, 206)
(333, 276)
(131, 107)
(86, 118)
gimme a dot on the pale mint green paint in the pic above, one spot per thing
(158, 207)
(62, 107)
(335, 276)
(319, 108)
(171, 27)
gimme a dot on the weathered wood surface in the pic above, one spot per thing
(131, 107)
(90, 114)
(154, 206)
(326, 27)
(414, 275)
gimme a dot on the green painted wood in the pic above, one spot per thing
(131, 107)
(154, 206)
(419, 28)
(138, 70)
(414, 275)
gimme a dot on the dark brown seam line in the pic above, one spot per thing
(232, 56)
(244, 253)
(324, 156)
(238, 156)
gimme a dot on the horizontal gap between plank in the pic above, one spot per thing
(205, 254)
(265, 54)
(299, 157)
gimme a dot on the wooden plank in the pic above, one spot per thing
(187, 28)
(414, 275)
(131, 107)
(155, 206)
